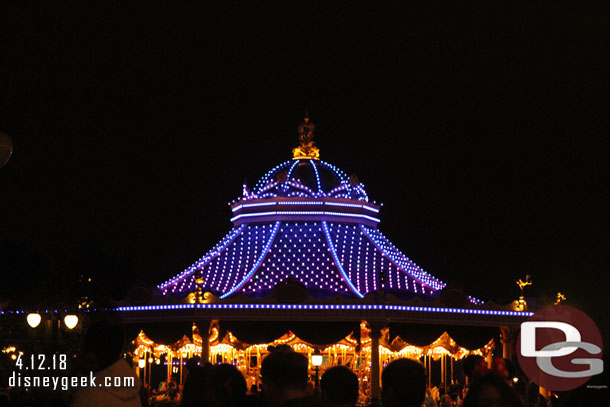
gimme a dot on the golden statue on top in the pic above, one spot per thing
(306, 149)
(522, 284)
(521, 304)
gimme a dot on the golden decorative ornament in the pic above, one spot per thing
(306, 148)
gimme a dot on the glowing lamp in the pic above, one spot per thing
(34, 319)
(141, 363)
(150, 360)
(316, 359)
(71, 321)
(158, 361)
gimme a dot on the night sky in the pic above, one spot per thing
(482, 127)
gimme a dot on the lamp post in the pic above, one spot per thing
(316, 361)
(34, 319)
(150, 363)
(141, 366)
(52, 327)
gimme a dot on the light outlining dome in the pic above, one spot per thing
(307, 221)
(307, 178)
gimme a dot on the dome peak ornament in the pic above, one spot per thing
(306, 149)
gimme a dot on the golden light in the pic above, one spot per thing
(71, 321)
(230, 350)
(316, 359)
(13, 356)
(34, 319)
(141, 363)
(560, 297)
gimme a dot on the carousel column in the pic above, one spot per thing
(170, 366)
(204, 331)
(375, 335)
(489, 359)
(429, 371)
(507, 343)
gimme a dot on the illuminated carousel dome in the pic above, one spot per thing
(308, 223)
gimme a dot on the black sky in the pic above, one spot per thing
(482, 127)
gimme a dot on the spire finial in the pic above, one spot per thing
(306, 149)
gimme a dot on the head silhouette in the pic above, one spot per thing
(284, 374)
(339, 386)
(404, 384)
(103, 344)
(491, 390)
(227, 385)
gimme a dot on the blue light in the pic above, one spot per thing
(347, 205)
(338, 263)
(305, 203)
(209, 256)
(263, 181)
(342, 175)
(267, 187)
(292, 168)
(302, 251)
(302, 202)
(400, 260)
(299, 251)
(315, 170)
(377, 307)
(304, 213)
(258, 262)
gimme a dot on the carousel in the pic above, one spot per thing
(352, 351)
(305, 264)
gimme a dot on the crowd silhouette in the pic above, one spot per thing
(284, 382)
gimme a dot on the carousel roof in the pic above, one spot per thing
(305, 221)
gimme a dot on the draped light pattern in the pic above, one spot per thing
(358, 260)
(308, 221)
(350, 351)
(346, 351)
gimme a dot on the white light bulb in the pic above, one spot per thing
(71, 321)
(34, 319)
